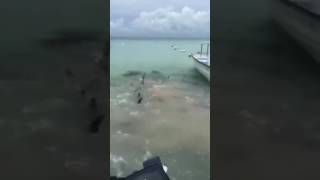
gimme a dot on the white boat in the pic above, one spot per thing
(201, 60)
(301, 19)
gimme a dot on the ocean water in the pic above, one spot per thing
(172, 117)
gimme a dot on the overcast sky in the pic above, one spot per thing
(160, 18)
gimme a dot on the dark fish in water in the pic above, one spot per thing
(155, 72)
(139, 96)
(153, 76)
(157, 75)
(139, 100)
(133, 73)
(139, 89)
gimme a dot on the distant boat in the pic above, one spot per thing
(301, 19)
(202, 60)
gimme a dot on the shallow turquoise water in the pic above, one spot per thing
(173, 119)
(151, 54)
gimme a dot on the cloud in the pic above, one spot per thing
(131, 8)
(116, 24)
(164, 22)
(118, 28)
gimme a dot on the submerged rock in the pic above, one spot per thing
(154, 75)
(157, 75)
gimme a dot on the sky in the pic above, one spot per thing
(160, 18)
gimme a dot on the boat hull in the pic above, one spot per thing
(202, 68)
(302, 25)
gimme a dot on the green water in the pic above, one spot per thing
(172, 121)
(151, 54)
